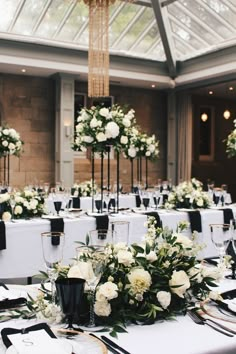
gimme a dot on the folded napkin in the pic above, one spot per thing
(7, 332)
(138, 200)
(57, 225)
(102, 222)
(156, 216)
(195, 220)
(2, 236)
(228, 215)
(76, 202)
(11, 298)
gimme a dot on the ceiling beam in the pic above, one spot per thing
(165, 33)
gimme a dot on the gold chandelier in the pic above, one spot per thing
(98, 55)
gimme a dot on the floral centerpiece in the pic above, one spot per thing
(28, 203)
(142, 283)
(231, 142)
(84, 189)
(10, 142)
(188, 194)
(140, 144)
(100, 127)
(5, 207)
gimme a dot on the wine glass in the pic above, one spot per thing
(146, 202)
(231, 250)
(52, 245)
(92, 262)
(221, 235)
(12, 202)
(100, 237)
(70, 292)
(57, 206)
(98, 204)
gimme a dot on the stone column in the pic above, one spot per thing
(64, 128)
(172, 151)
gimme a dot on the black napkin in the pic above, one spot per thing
(2, 236)
(195, 220)
(57, 225)
(76, 202)
(102, 222)
(228, 215)
(156, 216)
(5, 332)
(138, 200)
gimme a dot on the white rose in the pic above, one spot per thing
(11, 146)
(124, 140)
(112, 130)
(151, 148)
(109, 290)
(18, 210)
(148, 153)
(101, 137)
(5, 131)
(132, 151)
(181, 279)
(102, 308)
(125, 257)
(6, 216)
(140, 280)
(82, 270)
(151, 256)
(126, 122)
(200, 202)
(185, 241)
(104, 112)
(79, 127)
(87, 139)
(93, 123)
(120, 246)
(164, 298)
(84, 115)
(5, 143)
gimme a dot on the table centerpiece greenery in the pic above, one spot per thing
(142, 283)
(84, 189)
(10, 142)
(188, 194)
(231, 142)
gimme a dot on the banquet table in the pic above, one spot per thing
(178, 336)
(23, 255)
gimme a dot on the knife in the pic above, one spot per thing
(206, 320)
(224, 306)
(113, 344)
(109, 347)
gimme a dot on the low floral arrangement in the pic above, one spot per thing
(100, 127)
(10, 142)
(231, 142)
(141, 145)
(5, 207)
(188, 194)
(28, 203)
(143, 283)
(84, 189)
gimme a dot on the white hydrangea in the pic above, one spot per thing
(112, 130)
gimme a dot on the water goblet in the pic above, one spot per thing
(52, 246)
(92, 262)
(100, 237)
(146, 202)
(221, 235)
(12, 204)
(70, 292)
(98, 204)
(57, 206)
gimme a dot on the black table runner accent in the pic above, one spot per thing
(3, 245)
(102, 222)
(228, 215)
(57, 225)
(137, 200)
(76, 202)
(156, 216)
(195, 220)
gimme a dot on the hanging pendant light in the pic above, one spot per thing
(226, 114)
(204, 117)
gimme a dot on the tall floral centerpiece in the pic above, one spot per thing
(99, 128)
(188, 194)
(10, 144)
(231, 142)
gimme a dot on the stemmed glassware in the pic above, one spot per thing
(146, 202)
(221, 235)
(93, 261)
(57, 206)
(12, 204)
(52, 245)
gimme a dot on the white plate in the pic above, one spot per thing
(50, 217)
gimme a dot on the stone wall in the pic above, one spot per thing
(28, 106)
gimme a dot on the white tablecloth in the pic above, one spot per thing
(23, 256)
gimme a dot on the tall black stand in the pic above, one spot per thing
(92, 181)
(102, 166)
(117, 179)
(146, 173)
(132, 174)
(108, 170)
(6, 170)
(140, 170)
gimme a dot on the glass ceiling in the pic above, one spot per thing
(192, 27)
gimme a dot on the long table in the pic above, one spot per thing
(23, 255)
(179, 336)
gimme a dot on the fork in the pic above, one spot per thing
(199, 320)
